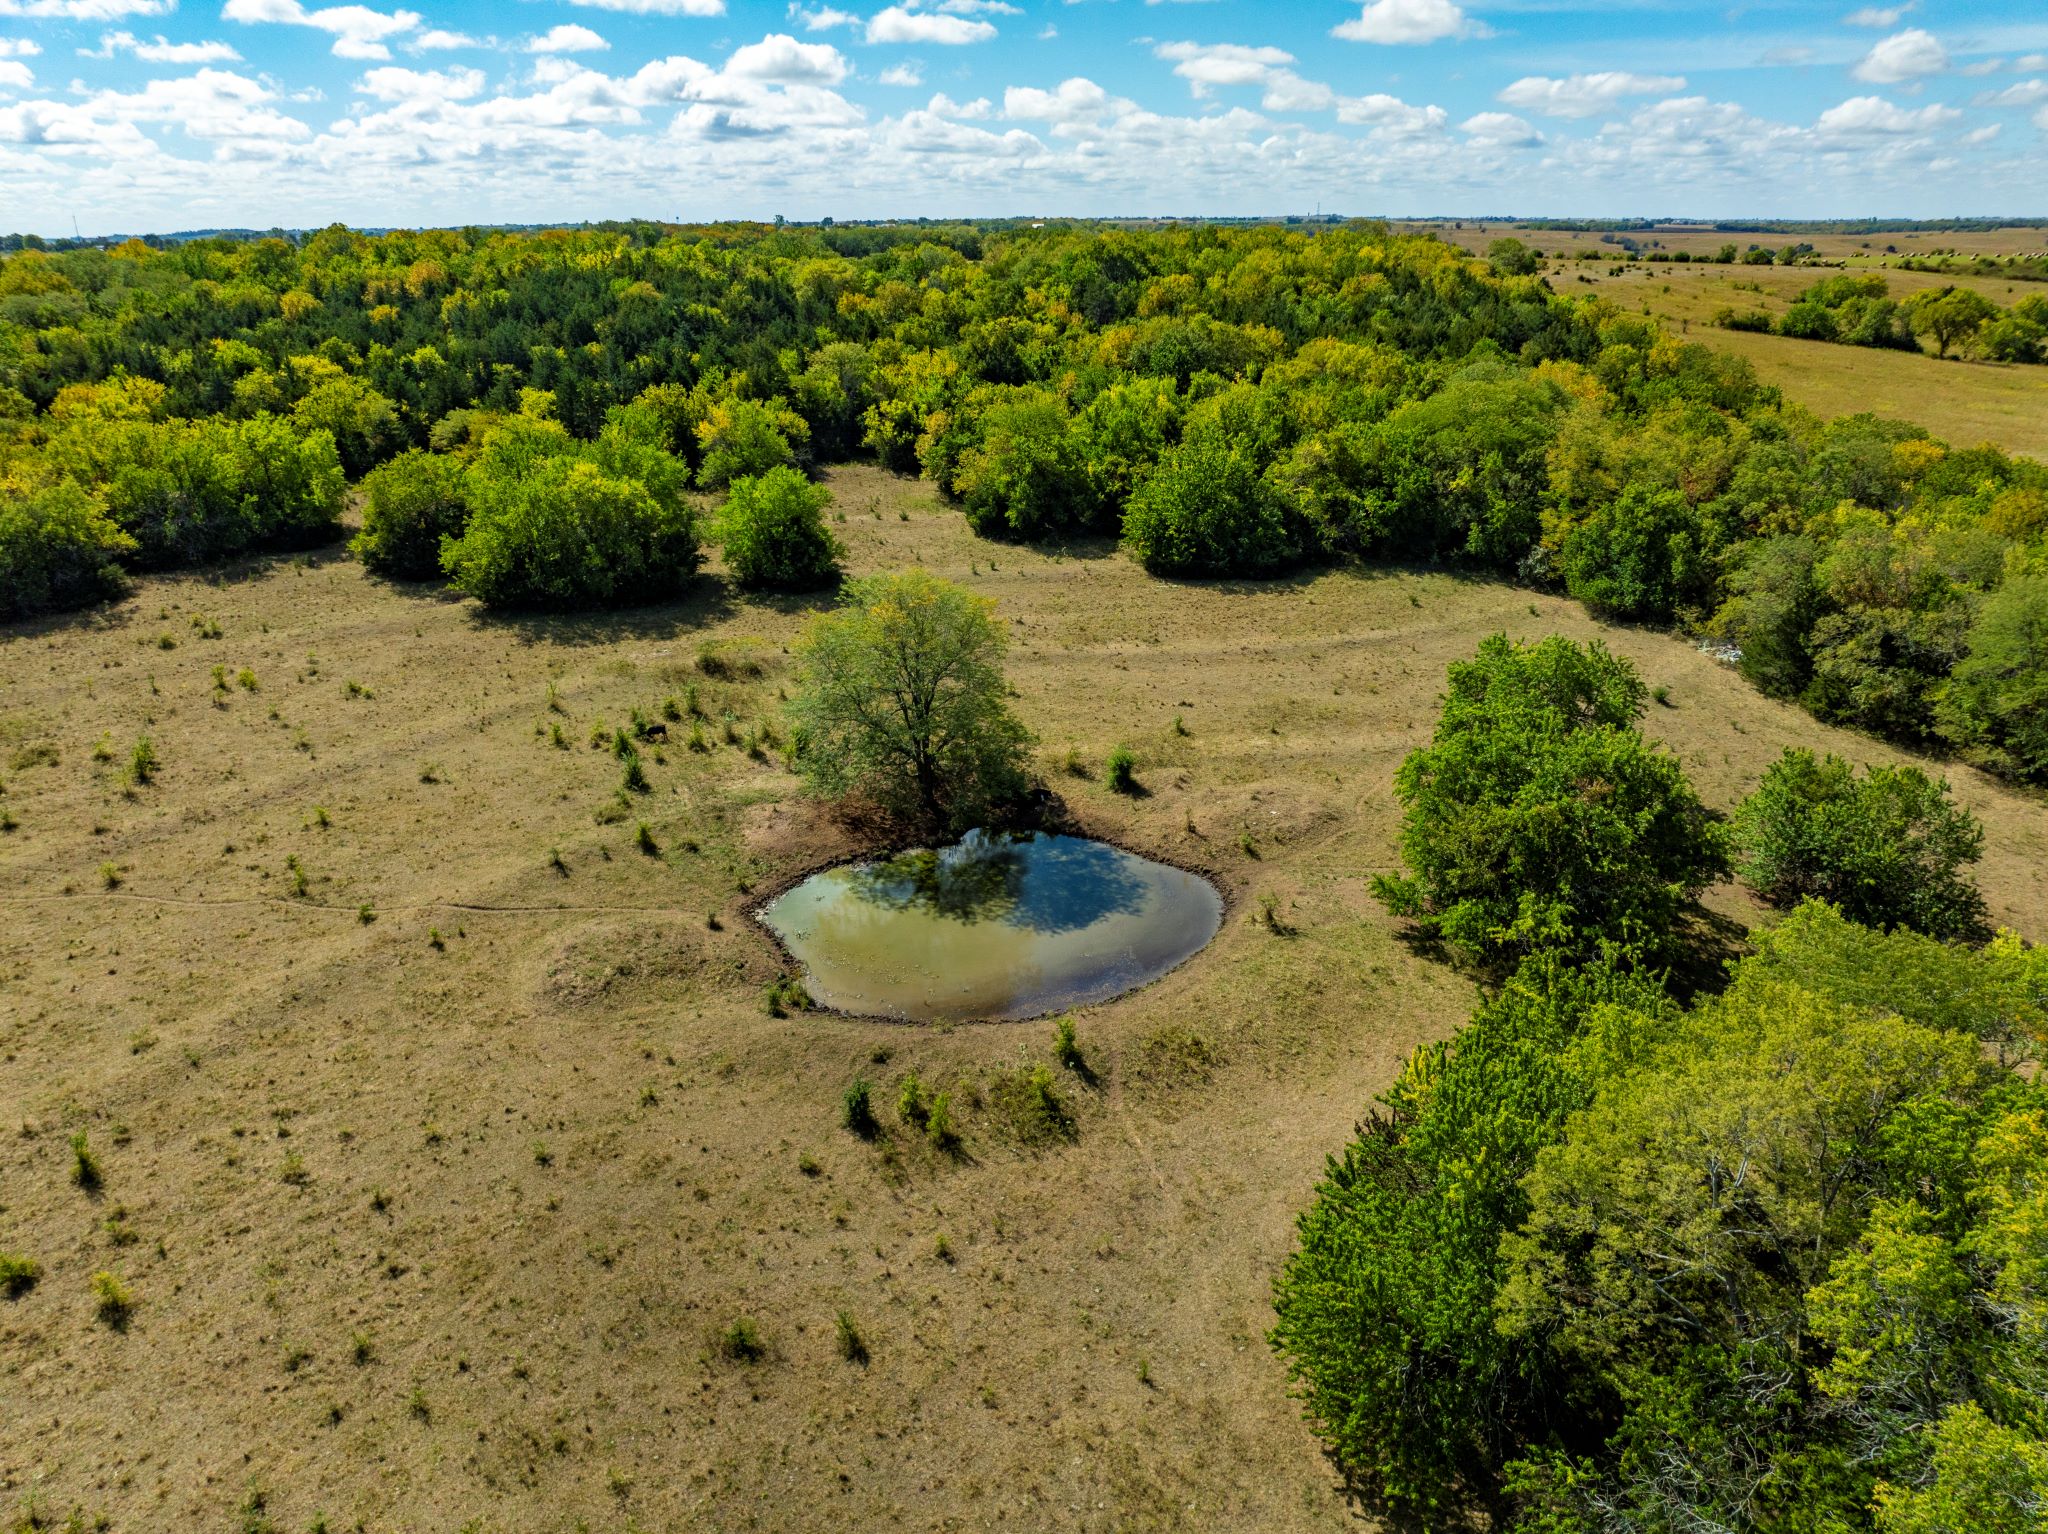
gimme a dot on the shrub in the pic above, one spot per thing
(1888, 848)
(1386, 1307)
(112, 1300)
(569, 535)
(1995, 708)
(58, 549)
(1065, 1048)
(143, 762)
(742, 437)
(409, 506)
(857, 1109)
(773, 529)
(1205, 511)
(741, 1342)
(938, 1122)
(85, 1163)
(1539, 817)
(853, 1347)
(1027, 475)
(913, 1105)
(1121, 770)
(1639, 557)
(18, 1274)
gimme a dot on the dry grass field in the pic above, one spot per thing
(1963, 401)
(438, 1185)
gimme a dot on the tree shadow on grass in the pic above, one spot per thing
(1705, 943)
(703, 602)
(1463, 1506)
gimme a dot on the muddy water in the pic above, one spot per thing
(996, 926)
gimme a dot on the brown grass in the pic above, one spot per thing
(539, 1169)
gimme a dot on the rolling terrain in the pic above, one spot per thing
(440, 1186)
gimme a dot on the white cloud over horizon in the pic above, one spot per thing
(669, 110)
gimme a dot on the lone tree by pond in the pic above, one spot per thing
(900, 700)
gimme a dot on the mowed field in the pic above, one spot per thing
(437, 1184)
(1963, 401)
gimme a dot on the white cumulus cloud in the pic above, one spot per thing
(1906, 55)
(1409, 21)
(84, 10)
(162, 51)
(1878, 16)
(1862, 117)
(900, 24)
(567, 37)
(779, 56)
(358, 31)
(658, 7)
(1500, 130)
(1585, 95)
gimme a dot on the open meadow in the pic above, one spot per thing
(1962, 400)
(445, 1137)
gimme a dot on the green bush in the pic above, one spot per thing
(409, 505)
(1638, 558)
(1460, 472)
(1888, 848)
(568, 535)
(774, 532)
(1121, 770)
(857, 1109)
(188, 492)
(1027, 474)
(1995, 707)
(1206, 511)
(1386, 1308)
(58, 550)
(1539, 817)
(1600, 1264)
(18, 1274)
(739, 438)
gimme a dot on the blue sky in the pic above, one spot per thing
(134, 115)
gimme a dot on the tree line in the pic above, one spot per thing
(539, 417)
(1857, 311)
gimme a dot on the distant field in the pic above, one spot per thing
(437, 1184)
(1858, 249)
(1964, 402)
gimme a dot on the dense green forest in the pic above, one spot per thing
(531, 416)
(1771, 1254)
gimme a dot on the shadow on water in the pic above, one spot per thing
(1043, 883)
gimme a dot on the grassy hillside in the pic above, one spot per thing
(1962, 401)
(438, 1186)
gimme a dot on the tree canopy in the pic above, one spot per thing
(901, 699)
(1538, 817)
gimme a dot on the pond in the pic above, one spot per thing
(1000, 925)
